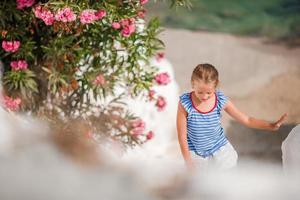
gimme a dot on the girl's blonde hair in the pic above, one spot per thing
(205, 72)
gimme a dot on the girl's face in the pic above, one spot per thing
(203, 91)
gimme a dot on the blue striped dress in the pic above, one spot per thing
(205, 134)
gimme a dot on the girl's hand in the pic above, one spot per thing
(275, 126)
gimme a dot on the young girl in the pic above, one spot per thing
(201, 137)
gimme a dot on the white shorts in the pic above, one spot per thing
(223, 159)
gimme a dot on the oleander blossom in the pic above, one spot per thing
(151, 94)
(99, 80)
(18, 65)
(159, 57)
(116, 25)
(141, 14)
(138, 127)
(143, 2)
(162, 78)
(11, 46)
(65, 15)
(150, 135)
(128, 26)
(160, 103)
(37, 10)
(87, 16)
(44, 14)
(12, 104)
(24, 3)
(100, 14)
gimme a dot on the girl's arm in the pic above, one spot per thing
(250, 121)
(182, 134)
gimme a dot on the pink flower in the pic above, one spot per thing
(99, 80)
(87, 16)
(138, 127)
(143, 2)
(124, 22)
(116, 25)
(161, 103)
(24, 3)
(38, 11)
(18, 65)
(127, 31)
(10, 46)
(160, 56)
(12, 104)
(141, 14)
(131, 21)
(150, 135)
(48, 17)
(151, 94)
(138, 123)
(162, 78)
(137, 131)
(65, 15)
(100, 14)
(128, 27)
(44, 14)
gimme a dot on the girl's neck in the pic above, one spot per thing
(204, 106)
(198, 101)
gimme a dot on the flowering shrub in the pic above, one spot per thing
(78, 59)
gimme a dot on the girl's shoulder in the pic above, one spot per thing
(219, 93)
(185, 101)
(222, 98)
(185, 95)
